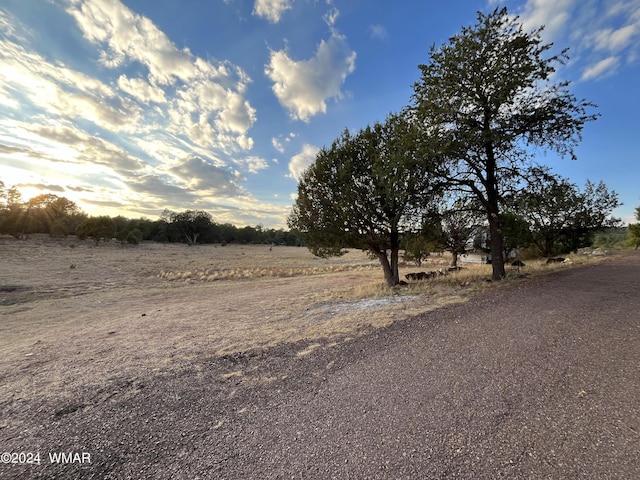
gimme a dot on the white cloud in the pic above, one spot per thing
(141, 90)
(602, 35)
(272, 10)
(300, 162)
(201, 174)
(603, 68)
(303, 87)
(176, 124)
(277, 144)
(331, 17)
(126, 35)
(614, 40)
(205, 101)
(378, 32)
(61, 91)
(252, 164)
(553, 14)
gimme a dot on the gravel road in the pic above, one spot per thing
(539, 379)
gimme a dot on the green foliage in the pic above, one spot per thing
(613, 237)
(634, 231)
(58, 230)
(416, 249)
(431, 238)
(134, 237)
(460, 224)
(486, 96)
(560, 216)
(364, 192)
(634, 235)
(516, 232)
(97, 228)
(47, 213)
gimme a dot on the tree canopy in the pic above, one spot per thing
(560, 216)
(488, 95)
(59, 217)
(365, 191)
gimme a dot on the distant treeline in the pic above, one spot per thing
(60, 217)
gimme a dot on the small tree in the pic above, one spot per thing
(561, 217)
(14, 215)
(516, 232)
(58, 230)
(188, 226)
(460, 225)
(430, 238)
(134, 237)
(634, 231)
(486, 96)
(97, 228)
(363, 192)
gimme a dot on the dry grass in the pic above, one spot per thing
(120, 311)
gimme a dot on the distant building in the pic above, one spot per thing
(475, 257)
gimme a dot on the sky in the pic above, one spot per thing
(130, 107)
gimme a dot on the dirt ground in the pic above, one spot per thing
(165, 361)
(75, 315)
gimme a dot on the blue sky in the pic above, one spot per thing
(133, 106)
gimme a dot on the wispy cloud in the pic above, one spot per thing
(553, 14)
(604, 35)
(252, 163)
(603, 68)
(204, 99)
(378, 32)
(154, 124)
(277, 145)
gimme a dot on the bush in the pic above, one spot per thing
(97, 228)
(134, 237)
(58, 230)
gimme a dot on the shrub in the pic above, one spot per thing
(58, 230)
(134, 237)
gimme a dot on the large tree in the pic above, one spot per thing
(47, 210)
(189, 226)
(363, 192)
(487, 96)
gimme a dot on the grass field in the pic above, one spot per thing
(73, 315)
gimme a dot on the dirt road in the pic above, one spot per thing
(540, 379)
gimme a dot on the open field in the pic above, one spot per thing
(279, 371)
(73, 315)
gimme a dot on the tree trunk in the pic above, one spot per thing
(390, 263)
(497, 260)
(395, 250)
(454, 258)
(491, 185)
(381, 255)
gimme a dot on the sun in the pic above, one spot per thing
(25, 182)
